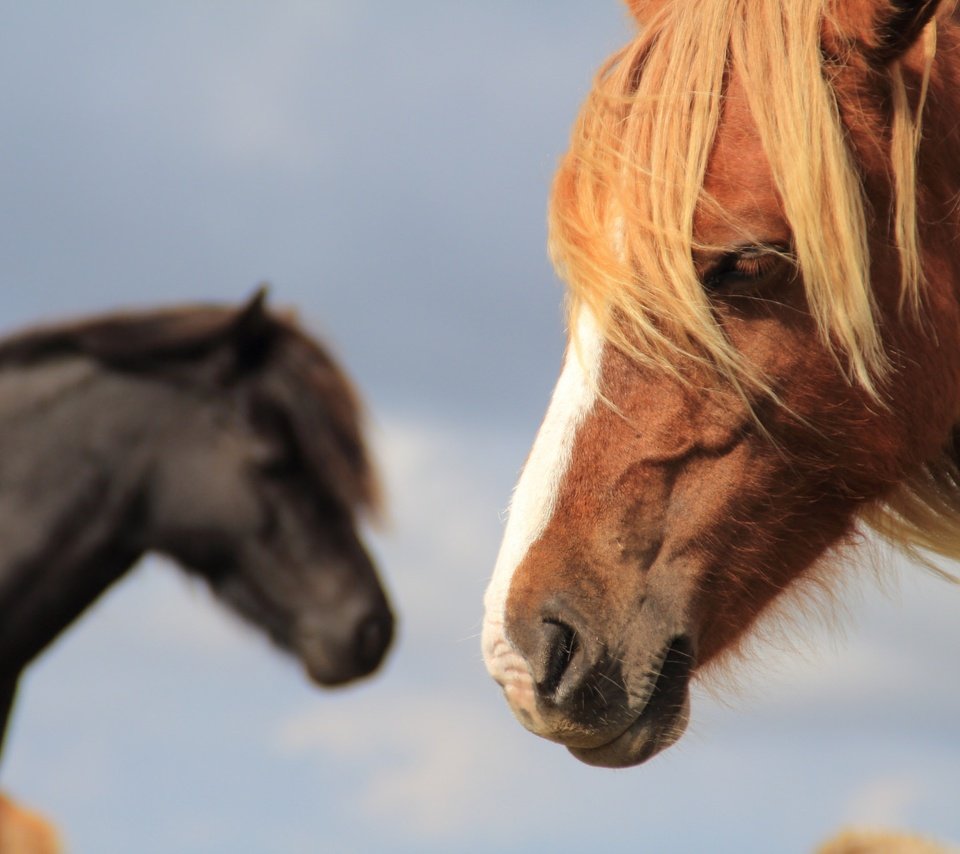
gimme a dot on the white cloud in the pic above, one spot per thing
(427, 753)
(444, 493)
(431, 760)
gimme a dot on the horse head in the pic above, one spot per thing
(257, 476)
(763, 350)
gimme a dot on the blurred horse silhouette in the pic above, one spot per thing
(23, 832)
(759, 222)
(223, 438)
(882, 842)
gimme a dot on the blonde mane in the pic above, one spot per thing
(626, 193)
(622, 212)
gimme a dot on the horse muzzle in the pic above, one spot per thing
(612, 704)
(347, 645)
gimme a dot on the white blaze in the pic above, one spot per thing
(535, 496)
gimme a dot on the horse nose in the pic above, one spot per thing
(560, 656)
(558, 644)
(605, 686)
(347, 644)
(371, 639)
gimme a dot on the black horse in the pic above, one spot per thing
(224, 438)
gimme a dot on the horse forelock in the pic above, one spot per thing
(628, 190)
(326, 414)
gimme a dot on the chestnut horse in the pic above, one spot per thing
(759, 223)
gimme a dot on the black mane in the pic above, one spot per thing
(286, 370)
(132, 338)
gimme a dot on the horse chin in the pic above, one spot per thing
(655, 730)
(327, 676)
(661, 723)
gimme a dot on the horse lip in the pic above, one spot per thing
(662, 721)
(329, 671)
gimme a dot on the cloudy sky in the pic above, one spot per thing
(385, 165)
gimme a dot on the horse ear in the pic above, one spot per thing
(252, 316)
(252, 331)
(898, 25)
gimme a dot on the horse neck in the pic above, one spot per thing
(73, 437)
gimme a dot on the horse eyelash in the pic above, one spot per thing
(754, 267)
(747, 263)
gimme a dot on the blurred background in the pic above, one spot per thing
(386, 166)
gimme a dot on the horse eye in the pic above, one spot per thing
(276, 460)
(744, 266)
(278, 453)
(279, 460)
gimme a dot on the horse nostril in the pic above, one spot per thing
(372, 638)
(558, 646)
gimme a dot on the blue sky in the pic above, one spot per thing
(386, 167)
